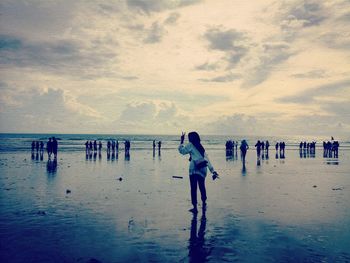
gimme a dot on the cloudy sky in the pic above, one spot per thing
(162, 66)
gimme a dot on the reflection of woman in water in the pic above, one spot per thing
(198, 251)
(198, 167)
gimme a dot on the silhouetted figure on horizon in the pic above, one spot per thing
(37, 146)
(267, 146)
(159, 147)
(335, 148)
(90, 147)
(49, 148)
(282, 150)
(244, 147)
(99, 147)
(87, 147)
(276, 146)
(127, 149)
(199, 162)
(262, 146)
(33, 146)
(113, 146)
(108, 146)
(258, 148)
(95, 146)
(41, 147)
(54, 147)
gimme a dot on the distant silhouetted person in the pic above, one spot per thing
(117, 146)
(282, 148)
(49, 148)
(276, 146)
(33, 146)
(244, 147)
(267, 145)
(87, 147)
(41, 146)
(37, 146)
(335, 148)
(159, 147)
(229, 147)
(95, 146)
(99, 146)
(258, 148)
(127, 148)
(90, 147)
(198, 167)
(54, 147)
(154, 148)
(108, 146)
(113, 146)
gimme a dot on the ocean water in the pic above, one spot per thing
(76, 142)
(99, 209)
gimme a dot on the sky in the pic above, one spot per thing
(164, 66)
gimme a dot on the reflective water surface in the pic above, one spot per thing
(82, 209)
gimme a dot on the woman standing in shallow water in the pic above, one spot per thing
(198, 167)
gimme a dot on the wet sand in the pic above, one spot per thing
(285, 210)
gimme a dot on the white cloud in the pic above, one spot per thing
(159, 66)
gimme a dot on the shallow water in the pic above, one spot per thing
(284, 210)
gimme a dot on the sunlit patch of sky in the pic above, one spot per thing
(163, 66)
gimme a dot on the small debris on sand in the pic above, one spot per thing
(314, 186)
(120, 179)
(338, 188)
(178, 177)
(68, 191)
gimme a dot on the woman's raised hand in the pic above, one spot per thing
(183, 137)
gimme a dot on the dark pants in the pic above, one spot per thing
(194, 180)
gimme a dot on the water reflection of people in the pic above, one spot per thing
(197, 249)
(244, 170)
(51, 166)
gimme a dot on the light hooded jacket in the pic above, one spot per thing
(195, 155)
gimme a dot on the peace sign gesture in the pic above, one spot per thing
(183, 137)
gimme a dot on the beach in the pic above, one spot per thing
(134, 210)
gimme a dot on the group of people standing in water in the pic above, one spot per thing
(91, 147)
(331, 149)
(51, 148)
(199, 160)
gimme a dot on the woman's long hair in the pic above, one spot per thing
(194, 138)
